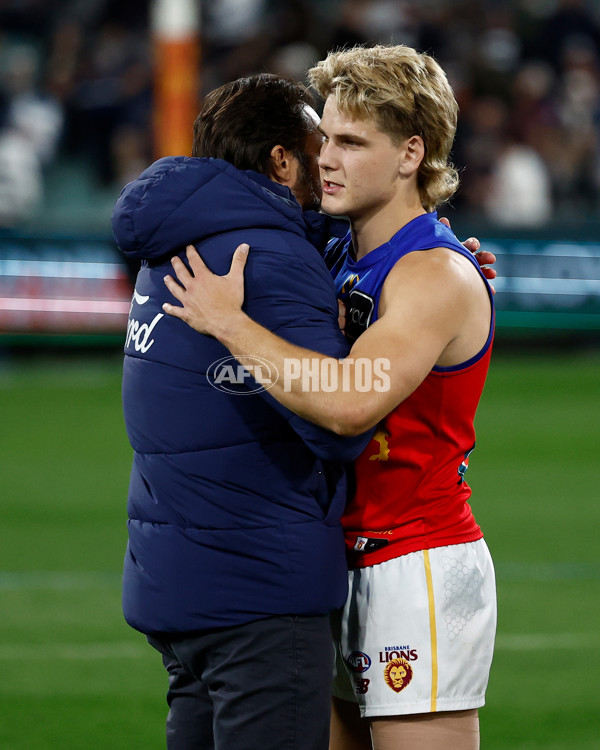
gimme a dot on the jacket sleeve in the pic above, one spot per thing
(326, 444)
(291, 292)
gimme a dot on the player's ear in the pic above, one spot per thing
(282, 165)
(413, 154)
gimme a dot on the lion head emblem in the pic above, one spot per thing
(397, 674)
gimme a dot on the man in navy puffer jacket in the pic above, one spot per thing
(236, 553)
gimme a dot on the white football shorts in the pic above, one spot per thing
(417, 633)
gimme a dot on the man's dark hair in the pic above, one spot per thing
(243, 120)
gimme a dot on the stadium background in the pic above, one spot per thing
(77, 103)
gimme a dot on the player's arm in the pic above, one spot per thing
(421, 315)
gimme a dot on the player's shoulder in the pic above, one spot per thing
(432, 261)
(438, 275)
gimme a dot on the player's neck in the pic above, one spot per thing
(372, 231)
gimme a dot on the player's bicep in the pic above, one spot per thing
(412, 331)
(397, 348)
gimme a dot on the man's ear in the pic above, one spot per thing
(282, 165)
(414, 153)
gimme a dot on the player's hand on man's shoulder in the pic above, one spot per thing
(208, 302)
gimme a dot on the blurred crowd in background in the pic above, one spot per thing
(76, 93)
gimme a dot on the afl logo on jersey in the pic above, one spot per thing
(358, 661)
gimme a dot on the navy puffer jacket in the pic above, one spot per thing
(234, 503)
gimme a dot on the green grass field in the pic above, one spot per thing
(75, 677)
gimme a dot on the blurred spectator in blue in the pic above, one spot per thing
(111, 98)
(576, 166)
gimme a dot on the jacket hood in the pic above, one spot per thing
(180, 200)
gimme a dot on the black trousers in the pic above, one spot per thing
(265, 685)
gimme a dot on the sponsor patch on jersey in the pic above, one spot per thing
(462, 469)
(369, 544)
(362, 685)
(359, 311)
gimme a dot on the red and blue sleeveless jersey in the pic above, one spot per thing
(411, 492)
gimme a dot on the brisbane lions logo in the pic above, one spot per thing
(397, 674)
(349, 283)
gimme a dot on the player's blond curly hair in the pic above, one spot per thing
(406, 93)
